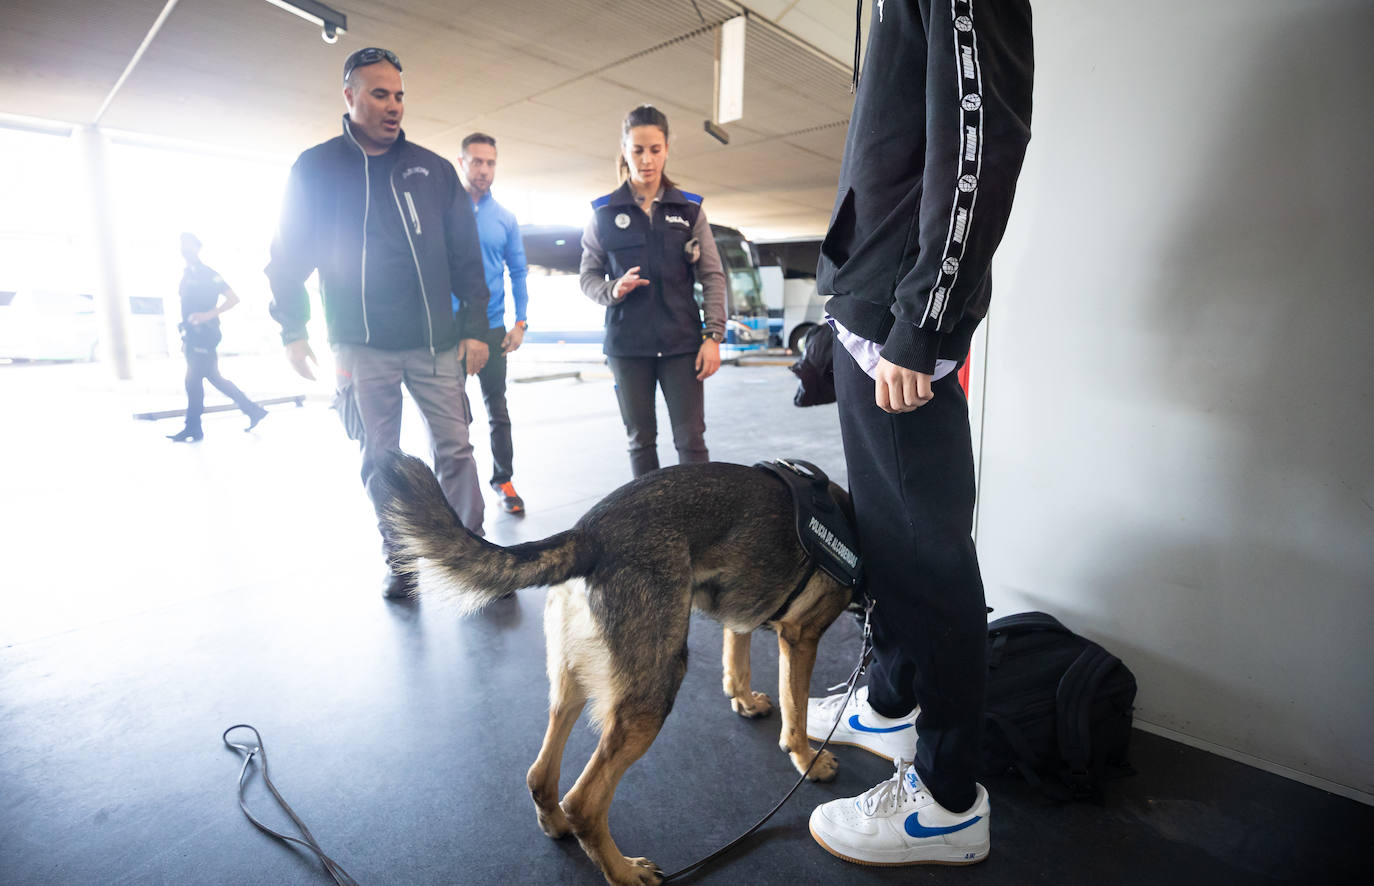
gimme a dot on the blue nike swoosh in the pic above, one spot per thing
(916, 829)
(859, 727)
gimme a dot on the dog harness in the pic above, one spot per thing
(824, 529)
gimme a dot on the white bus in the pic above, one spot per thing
(559, 312)
(788, 270)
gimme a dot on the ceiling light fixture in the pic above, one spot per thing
(729, 91)
(331, 21)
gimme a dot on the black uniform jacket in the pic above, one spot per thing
(662, 319)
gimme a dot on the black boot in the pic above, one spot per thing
(185, 434)
(398, 585)
(256, 415)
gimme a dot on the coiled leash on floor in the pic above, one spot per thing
(342, 877)
(256, 749)
(865, 656)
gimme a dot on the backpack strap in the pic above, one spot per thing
(1073, 704)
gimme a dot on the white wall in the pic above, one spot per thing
(1178, 440)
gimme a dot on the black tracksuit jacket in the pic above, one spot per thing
(323, 226)
(940, 126)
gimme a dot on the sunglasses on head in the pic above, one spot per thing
(370, 56)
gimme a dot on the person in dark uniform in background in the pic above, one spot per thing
(645, 246)
(204, 296)
(940, 126)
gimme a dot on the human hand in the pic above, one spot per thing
(708, 359)
(898, 389)
(514, 339)
(200, 317)
(300, 356)
(473, 352)
(628, 283)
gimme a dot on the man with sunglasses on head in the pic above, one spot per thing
(387, 225)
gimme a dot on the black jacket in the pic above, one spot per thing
(664, 319)
(323, 227)
(939, 129)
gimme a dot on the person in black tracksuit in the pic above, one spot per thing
(201, 292)
(646, 245)
(940, 126)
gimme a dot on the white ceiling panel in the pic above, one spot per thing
(550, 79)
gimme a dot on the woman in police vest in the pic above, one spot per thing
(645, 246)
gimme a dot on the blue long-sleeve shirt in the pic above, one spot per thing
(502, 249)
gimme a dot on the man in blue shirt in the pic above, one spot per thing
(502, 249)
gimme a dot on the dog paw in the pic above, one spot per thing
(641, 872)
(554, 823)
(757, 705)
(823, 769)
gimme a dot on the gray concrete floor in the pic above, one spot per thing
(154, 594)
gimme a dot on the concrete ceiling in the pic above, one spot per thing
(551, 79)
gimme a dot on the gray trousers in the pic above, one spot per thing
(371, 379)
(635, 380)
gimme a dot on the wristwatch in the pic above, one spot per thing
(716, 337)
(522, 324)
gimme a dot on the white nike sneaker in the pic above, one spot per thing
(861, 726)
(898, 823)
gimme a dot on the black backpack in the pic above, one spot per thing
(1058, 707)
(814, 370)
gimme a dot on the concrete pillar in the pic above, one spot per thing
(110, 305)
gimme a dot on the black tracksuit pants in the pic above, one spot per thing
(911, 478)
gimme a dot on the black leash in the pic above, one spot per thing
(865, 655)
(342, 877)
(256, 749)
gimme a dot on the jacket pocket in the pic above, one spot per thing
(626, 249)
(839, 240)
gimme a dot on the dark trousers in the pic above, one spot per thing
(492, 379)
(635, 378)
(202, 365)
(911, 478)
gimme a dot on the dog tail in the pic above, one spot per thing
(431, 540)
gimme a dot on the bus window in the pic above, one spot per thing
(746, 312)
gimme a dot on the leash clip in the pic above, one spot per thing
(866, 652)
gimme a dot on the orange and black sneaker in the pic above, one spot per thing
(510, 502)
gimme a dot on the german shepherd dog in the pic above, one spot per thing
(719, 538)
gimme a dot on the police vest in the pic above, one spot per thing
(663, 318)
